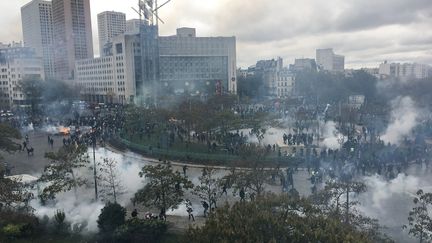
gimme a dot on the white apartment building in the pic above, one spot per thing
(110, 24)
(17, 63)
(327, 60)
(110, 79)
(404, 71)
(36, 17)
(285, 83)
(198, 64)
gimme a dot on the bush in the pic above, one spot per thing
(112, 216)
(18, 230)
(12, 230)
(141, 230)
(14, 224)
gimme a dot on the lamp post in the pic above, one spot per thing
(94, 164)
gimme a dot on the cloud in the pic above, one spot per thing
(367, 32)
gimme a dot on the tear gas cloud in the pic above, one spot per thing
(404, 118)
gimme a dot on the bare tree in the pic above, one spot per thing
(109, 180)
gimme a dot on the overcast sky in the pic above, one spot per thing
(367, 32)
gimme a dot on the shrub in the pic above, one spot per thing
(141, 230)
(112, 216)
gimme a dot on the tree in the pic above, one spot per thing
(209, 188)
(112, 216)
(420, 223)
(60, 175)
(273, 219)
(7, 134)
(332, 197)
(32, 88)
(13, 194)
(109, 180)
(164, 189)
(251, 181)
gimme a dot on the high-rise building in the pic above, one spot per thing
(327, 60)
(72, 35)
(110, 24)
(133, 26)
(37, 29)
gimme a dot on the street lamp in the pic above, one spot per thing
(94, 163)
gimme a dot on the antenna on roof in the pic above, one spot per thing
(149, 9)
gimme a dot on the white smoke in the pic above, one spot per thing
(404, 117)
(331, 135)
(391, 201)
(82, 207)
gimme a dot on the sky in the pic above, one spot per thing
(367, 32)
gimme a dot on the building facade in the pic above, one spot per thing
(141, 67)
(110, 24)
(198, 64)
(72, 35)
(303, 64)
(268, 70)
(327, 60)
(404, 71)
(113, 78)
(285, 83)
(37, 26)
(17, 63)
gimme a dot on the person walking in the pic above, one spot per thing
(189, 210)
(206, 207)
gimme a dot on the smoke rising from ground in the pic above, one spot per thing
(331, 135)
(390, 201)
(404, 118)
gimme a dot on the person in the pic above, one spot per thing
(24, 145)
(189, 210)
(224, 190)
(162, 215)
(27, 138)
(206, 207)
(242, 195)
(134, 213)
(49, 139)
(213, 200)
(184, 170)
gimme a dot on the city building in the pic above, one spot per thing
(327, 60)
(268, 70)
(37, 29)
(198, 64)
(285, 83)
(404, 71)
(139, 67)
(113, 78)
(133, 26)
(72, 35)
(110, 24)
(17, 63)
(303, 64)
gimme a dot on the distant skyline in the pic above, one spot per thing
(367, 32)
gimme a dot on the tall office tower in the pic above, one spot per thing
(37, 28)
(72, 35)
(110, 24)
